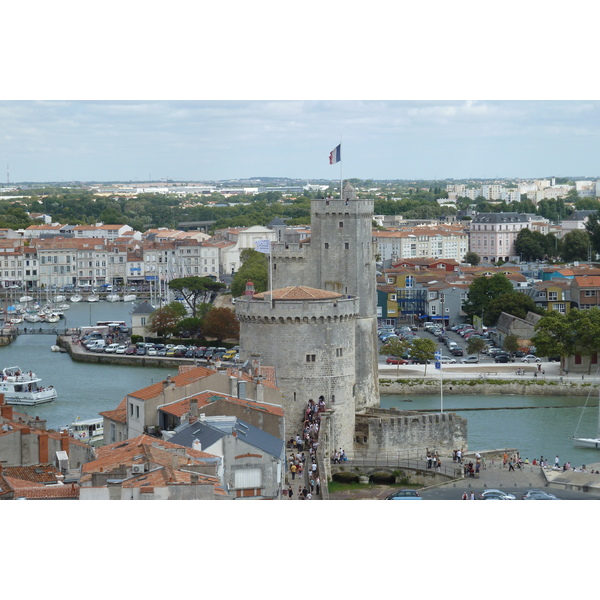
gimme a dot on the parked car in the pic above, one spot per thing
(539, 495)
(502, 358)
(141, 351)
(495, 495)
(447, 360)
(531, 358)
(229, 355)
(405, 495)
(111, 348)
(395, 360)
(470, 360)
(131, 350)
(457, 351)
(121, 350)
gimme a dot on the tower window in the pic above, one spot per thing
(311, 358)
(326, 245)
(346, 246)
(341, 223)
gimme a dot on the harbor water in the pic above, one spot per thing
(83, 389)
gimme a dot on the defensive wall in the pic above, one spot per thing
(478, 387)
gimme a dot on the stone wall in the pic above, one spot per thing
(402, 431)
(476, 387)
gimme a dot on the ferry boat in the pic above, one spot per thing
(89, 431)
(20, 387)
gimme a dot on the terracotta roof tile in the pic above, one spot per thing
(298, 292)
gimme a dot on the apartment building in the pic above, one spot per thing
(492, 235)
(449, 241)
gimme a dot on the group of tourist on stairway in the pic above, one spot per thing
(299, 463)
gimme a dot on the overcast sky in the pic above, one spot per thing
(213, 140)
(254, 90)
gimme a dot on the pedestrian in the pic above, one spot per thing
(293, 470)
(312, 484)
(464, 496)
(556, 462)
(472, 495)
(305, 492)
(318, 485)
(510, 465)
(290, 492)
(314, 467)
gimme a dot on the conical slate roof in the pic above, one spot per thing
(299, 292)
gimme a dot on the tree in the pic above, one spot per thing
(191, 327)
(163, 321)
(576, 245)
(554, 336)
(255, 268)
(221, 324)
(586, 324)
(592, 226)
(511, 343)
(395, 347)
(475, 346)
(423, 350)
(483, 290)
(195, 290)
(513, 303)
(472, 258)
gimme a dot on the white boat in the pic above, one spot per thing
(93, 298)
(51, 318)
(32, 317)
(16, 320)
(129, 297)
(58, 299)
(55, 348)
(581, 442)
(90, 431)
(76, 298)
(20, 387)
(112, 297)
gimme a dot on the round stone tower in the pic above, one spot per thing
(310, 336)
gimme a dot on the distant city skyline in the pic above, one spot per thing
(216, 140)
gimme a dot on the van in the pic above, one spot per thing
(111, 348)
(96, 345)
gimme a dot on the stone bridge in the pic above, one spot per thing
(411, 470)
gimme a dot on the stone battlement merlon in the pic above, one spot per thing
(302, 311)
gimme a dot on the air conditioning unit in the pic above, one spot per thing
(136, 469)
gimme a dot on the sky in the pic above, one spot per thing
(244, 90)
(191, 140)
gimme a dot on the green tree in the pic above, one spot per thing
(576, 246)
(423, 350)
(396, 347)
(195, 290)
(513, 303)
(511, 343)
(475, 346)
(255, 268)
(472, 258)
(483, 290)
(554, 336)
(592, 226)
(586, 324)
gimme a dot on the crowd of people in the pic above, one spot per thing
(299, 463)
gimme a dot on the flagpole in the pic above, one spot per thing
(271, 274)
(341, 178)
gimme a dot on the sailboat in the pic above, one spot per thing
(581, 442)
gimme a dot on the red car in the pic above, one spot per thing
(394, 360)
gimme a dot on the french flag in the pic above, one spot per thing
(335, 155)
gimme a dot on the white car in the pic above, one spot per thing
(447, 360)
(531, 358)
(121, 350)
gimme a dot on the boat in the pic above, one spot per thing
(76, 298)
(51, 318)
(93, 298)
(55, 348)
(20, 387)
(581, 442)
(32, 317)
(16, 320)
(89, 431)
(129, 297)
(112, 297)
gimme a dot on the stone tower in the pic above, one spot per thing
(340, 257)
(309, 335)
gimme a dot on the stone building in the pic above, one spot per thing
(318, 323)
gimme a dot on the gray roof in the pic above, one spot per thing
(209, 431)
(500, 217)
(144, 308)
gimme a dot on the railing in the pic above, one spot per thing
(406, 460)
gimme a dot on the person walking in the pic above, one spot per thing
(290, 492)
(293, 470)
(318, 485)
